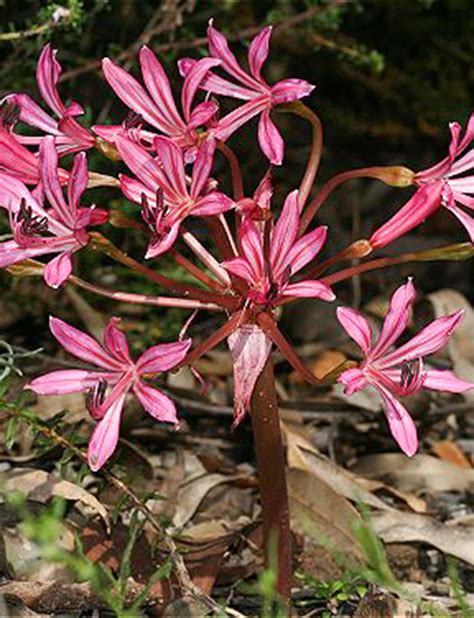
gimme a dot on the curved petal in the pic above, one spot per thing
(156, 403)
(238, 117)
(309, 289)
(67, 381)
(396, 320)
(162, 357)
(306, 249)
(163, 242)
(202, 167)
(270, 139)
(143, 165)
(77, 181)
(252, 249)
(202, 114)
(258, 51)
(58, 270)
(444, 380)
(159, 87)
(115, 341)
(47, 75)
(465, 219)
(82, 346)
(192, 82)
(429, 340)
(106, 434)
(50, 182)
(288, 90)
(401, 424)
(134, 190)
(240, 267)
(219, 48)
(424, 203)
(213, 203)
(16, 159)
(284, 234)
(353, 380)
(216, 84)
(31, 113)
(171, 158)
(356, 326)
(130, 92)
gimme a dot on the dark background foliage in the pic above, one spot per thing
(390, 75)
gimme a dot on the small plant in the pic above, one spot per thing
(251, 263)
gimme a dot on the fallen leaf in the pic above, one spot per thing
(450, 451)
(402, 527)
(41, 486)
(422, 473)
(321, 366)
(326, 516)
(302, 455)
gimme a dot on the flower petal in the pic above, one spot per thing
(309, 289)
(396, 320)
(58, 270)
(429, 340)
(444, 380)
(356, 326)
(77, 181)
(306, 249)
(283, 235)
(115, 342)
(252, 248)
(171, 158)
(258, 51)
(466, 220)
(50, 182)
(353, 380)
(106, 434)
(202, 167)
(162, 357)
(288, 90)
(67, 381)
(424, 202)
(241, 267)
(270, 139)
(401, 424)
(81, 345)
(192, 82)
(156, 403)
(213, 203)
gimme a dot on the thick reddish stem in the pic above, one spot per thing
(237, 182)
(272, 479)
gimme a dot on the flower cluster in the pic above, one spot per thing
(258, 261)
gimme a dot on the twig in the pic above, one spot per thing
(200, 41)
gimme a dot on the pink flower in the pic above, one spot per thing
(162, 188)
(249, 86)
(268, 276)
(115, 370)
(399, 372)
(59, 230)
(155, 104)
(439, 186)
(69, 135)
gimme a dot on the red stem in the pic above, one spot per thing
(272, 479)
(195, 271)
(314, 206)
(237, 182)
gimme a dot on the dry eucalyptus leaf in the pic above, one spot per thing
(402, 527)
(41, 486)
(302, 455)
(420, 473)
(326, 516)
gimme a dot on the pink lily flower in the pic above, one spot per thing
(250, 86)
(268, 276)
(399, 372)
(163, 189)
(155, 104)
(69, 135)
(116, 370)
(60, 230)
(439, 186)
